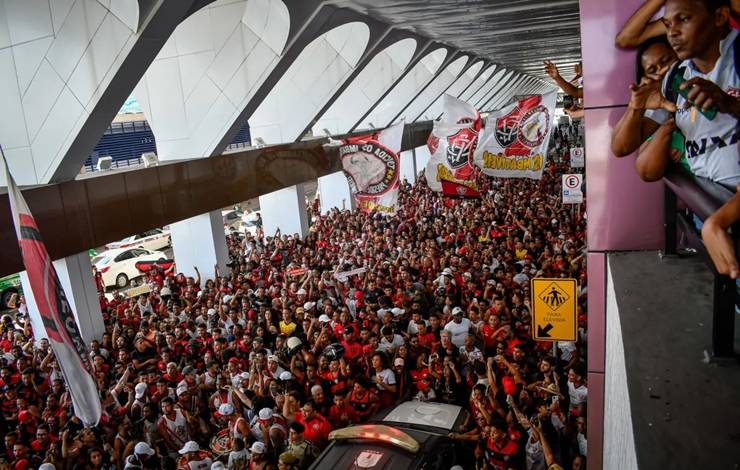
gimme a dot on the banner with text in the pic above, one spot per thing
(514, 141)
(372, 166)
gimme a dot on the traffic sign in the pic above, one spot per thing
(554, 309)
(572, 193)
(577, 157)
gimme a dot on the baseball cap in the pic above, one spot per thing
(190, 446)
(140, 390)
(265, 414)
(285, 375)
(218, 466)
(324, 318)
(142, 448)
(47, 466)
(181, 389)
(398, 362)
(301, 291)
(309, 305)
(258, 448)
(288, 458)
(397, 311)
(457, 311)
(226, 409)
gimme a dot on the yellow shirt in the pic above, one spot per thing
(287, 328)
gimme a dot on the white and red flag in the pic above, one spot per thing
(515, 139)
(56, 314)
(373, 167)
(452, 143)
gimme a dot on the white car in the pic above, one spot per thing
(118, 266)
(238, 221)
(155, 239)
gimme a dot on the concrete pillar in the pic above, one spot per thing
(75, 276)
(285, 209)
(334, 192)
(200, 242)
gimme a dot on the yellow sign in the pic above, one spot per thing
(554, 309)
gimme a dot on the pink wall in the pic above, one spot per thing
(623, 212)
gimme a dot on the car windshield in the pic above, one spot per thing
(101, 259)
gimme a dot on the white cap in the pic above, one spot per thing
(324, 318)
(190, 446)
(220, 466)
(181, 389)
(398, 361)
(165, 291)
(301, 291)
(142, 448)
(47, 466)
(258, 448)
(397, 311)
(226, 409)
(272, 358)
(211, 311)
(447, 271)
(285, 375)
(457, 311)
(140, 390)
(227, 298)
(244, 376)
(309, 305)
(265, 414)
(467, 274)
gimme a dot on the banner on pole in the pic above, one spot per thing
(514, 141)
(57, 317)
(372, 165)
(451, 145)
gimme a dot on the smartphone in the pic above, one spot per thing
(676, 82)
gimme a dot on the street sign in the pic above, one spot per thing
(572, 193)
(577, 157)
(554, 309)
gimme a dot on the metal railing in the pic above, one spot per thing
(702, 198)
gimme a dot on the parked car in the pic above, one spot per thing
(9, 285)
(118, 266)
(412, 435)
(243, 222)
(155, 239)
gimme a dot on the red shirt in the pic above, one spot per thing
(342, 417)
(501, 457)
(317, 428)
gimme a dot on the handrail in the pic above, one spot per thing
(703, 197)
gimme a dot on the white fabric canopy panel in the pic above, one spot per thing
(366, 89)
(308, 84)
(435, 109)
(405, 89)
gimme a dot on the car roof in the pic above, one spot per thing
(442, 416)
(117, 251)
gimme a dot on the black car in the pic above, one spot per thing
(409, 436)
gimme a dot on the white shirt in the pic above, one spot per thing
(577, 395)
(391, 346)
(710, 150)
(459, 331)
(389, 378)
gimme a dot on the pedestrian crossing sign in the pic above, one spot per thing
(554, 309)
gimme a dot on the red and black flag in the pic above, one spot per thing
(55, 311)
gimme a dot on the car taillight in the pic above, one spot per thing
(104, 270)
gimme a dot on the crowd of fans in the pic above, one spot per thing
(254, 368)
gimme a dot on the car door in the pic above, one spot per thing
(123, 263)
